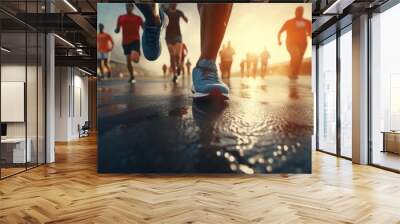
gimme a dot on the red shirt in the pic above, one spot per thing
(130, 25)
(297, 30)
(104, 42)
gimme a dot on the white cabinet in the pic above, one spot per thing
(19, 154)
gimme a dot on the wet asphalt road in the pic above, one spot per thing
(155, 126)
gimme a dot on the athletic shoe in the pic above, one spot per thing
(206, 81)
(175, 78)
(151, 35)
(132, 81)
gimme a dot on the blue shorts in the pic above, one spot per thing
(133, 46)
(102, 55)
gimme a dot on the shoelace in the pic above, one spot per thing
(152, 35)
(209, 74)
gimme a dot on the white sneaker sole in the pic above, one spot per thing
(201, 95)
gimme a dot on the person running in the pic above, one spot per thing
(164, 69)
(104, 45)
(242, 68)
(265, 56)
(173, 37)
(155, 21)
(228, 59)
(188, 66)
(130, 24)
(254, 60)
(297, 30)
(248, 64)
(184, 52)
(222, 66)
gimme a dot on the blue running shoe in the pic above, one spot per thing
(151, 34)
(206, 81)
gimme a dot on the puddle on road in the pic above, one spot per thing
(264, 133)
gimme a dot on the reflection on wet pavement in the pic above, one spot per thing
(156, 126)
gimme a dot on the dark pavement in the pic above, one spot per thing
(155, 126)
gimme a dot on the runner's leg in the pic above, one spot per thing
(214, 19)
(171, 58)
(107, 66)
(130, 67)
(177, 56)
(293, 52)
(99, 63)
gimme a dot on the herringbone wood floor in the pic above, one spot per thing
(71, 191)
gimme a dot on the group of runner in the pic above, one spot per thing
(213, 22)
(185, 69)
(226, 57)
(249, 65)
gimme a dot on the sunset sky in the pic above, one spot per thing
(251, 28)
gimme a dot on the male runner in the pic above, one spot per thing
(104, 45)
(228, 59)
(248, 64)
(222, 66)
(265, 56)
(164, 68)
(130, 24)
(173, 37)
(188, 66)
(254, 58)
(242, 68)
(297, 31)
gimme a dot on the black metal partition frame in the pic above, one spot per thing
(333, 37)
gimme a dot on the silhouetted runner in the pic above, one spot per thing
(297, 31)
(254, 59)
(228, 59)
(248, 64)
(188, 67)
(173, 37)
(105, 44)
(164, 69)
(264, 57)
(242, 68)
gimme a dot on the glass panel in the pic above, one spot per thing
(327, 97)
(13, 86)
(346, 94)
(23, 79)
(41, 99)
(385, 84)
(32, 86)
(32, 98)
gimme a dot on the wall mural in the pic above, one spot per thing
(204, 88)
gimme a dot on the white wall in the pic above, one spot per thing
(16, 73)
(71, 93)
